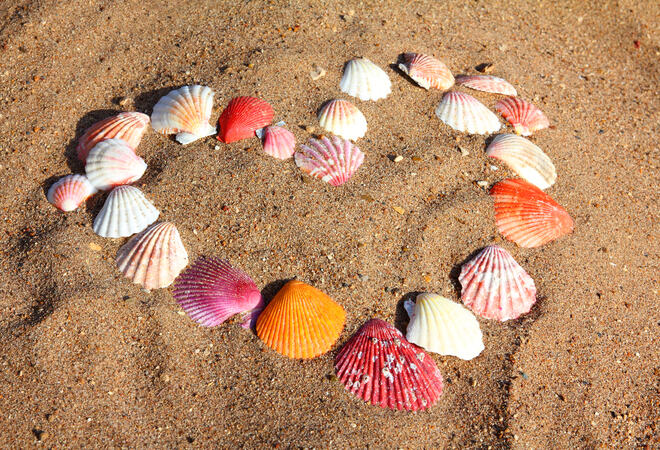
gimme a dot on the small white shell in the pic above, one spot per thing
(185, 111)
(465, 113)
(342, 118)
(524, 158)
(126, 211)
(365, 80)
(112, 163)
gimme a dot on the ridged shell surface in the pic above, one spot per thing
(528, 216)
(301, 321)
(69, 192)
(486, 83)
(112, 163)
(365, 80)
(494, 285)
(153, 258)
(427, 71)
(381, 367)
(211, 291)
(343, 118)
(442, 326)
(278, 142)
(524, 158)
(186, 112)
(242, 117)
(523, 116)
(465, 113)
(125, 212)
(128, 126)
(333, 161)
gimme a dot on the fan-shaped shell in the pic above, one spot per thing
(427, 71)
(113, 163)
(442, 326)
(465, 113)
(125, 212)
(185, 111)
(365, 80)
(278, 142)
(301, 321)
(524, 158)
(154, 257)
(523, 116)
(242, 117)
(528, 216)
(334, 161)
(69, 192)
(487, 83)
(342, 118)
(495, 286)
(128, 126)
(211, 291)
(381, 367)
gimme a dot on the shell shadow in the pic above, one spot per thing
(401, 318)
(48, 182)
(87, 120)
(455, 271)
(269, 291)
(323, 105)
(395, 68)
(146, 101)
(489, 140)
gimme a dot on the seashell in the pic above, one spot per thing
(185, 111)
(334, 161)
(278, 142)
(463, 112)
(487, 83)
(365, 80)
(113, 163)
(70, 191)
(300, 321)
(242, 117)
(128, 126)
(523, 116)
(381, 367)
(211, 291)
(495, 286)
(154, 257)
(126, 211)
(442, 326)
(427, 71)
(528, 216)
(342, 118)
(524, 158)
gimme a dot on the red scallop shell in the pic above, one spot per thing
(528, 216)
(242, 117)
(128, 126)
(381, 367)
(523, 116)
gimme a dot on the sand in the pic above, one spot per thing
(89, 359)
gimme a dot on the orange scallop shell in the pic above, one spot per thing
(301, 321)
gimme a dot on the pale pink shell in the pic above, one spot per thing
(69, 192)
(487, 83)
(128, 126)
(334, 161)
(427, 71)
(523, 116)
(343, 118)
(113, 162)
(278, 142)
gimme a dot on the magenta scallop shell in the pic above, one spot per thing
(278, 142)
(211, 291)
(128, 126)
(524, 117)
(381, 367)
(334, 161)
(495, 286)
(487, 83)
(69, 192)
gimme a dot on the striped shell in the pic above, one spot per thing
(427, 71)
(487, 83)
(113, 163)
(278, 142)
(465, 113)
(69, 192)
(342, 118)
(125, 212)
(524, 158)
(242, 117)
(523, 116)
(365, 80)
(301, 321)
(128, 126)
(334, 161)
(186, 112)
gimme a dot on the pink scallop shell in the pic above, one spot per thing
(113, 162)
(334, 161)
(381, 367)
(69, 192)
(523, 116)
(128, 126)
(278, 142)
(427, 71)
(487, 83)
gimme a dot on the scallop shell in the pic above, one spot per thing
(334, 161)
(301, 321)
(278, 142)
(126, 211)
(242, 117)
(128, 126)
(495, 286)
(528, 216)
(113, 163)
(342, 118)
(465, 113)
(523, 116)
(211, 291)
(365, 80)
(154, 257)
(524, 158)
(381, 367)
(442, 326)
(427, 71)
(69, 192)
(487, 83)
(186, 112)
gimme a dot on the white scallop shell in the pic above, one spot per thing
(465, 113)
(112, 163)
(126, 211)
(524, 158)
(442, 326)
(185, 111)
(365, 80)
(342, 118)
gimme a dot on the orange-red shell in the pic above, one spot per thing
(242, 117)
(128, 126)
(523, 116)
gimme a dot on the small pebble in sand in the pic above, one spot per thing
(125, 101)
(95, 247)
(464, 151)
(317, 72)
(398, 158)
(310, 129)
(482, 184)
(399, 209)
